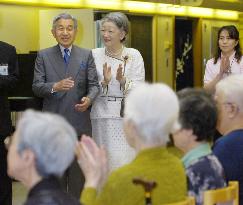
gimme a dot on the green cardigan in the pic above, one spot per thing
(151, 164)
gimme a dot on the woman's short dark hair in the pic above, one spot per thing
(233, 34)
(198, 112)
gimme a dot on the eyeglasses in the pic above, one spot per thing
(219, 101)
(229, 104)
(8, 141)
(225, 103)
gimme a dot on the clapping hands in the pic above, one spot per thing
(107, 73)
(93, 161)
(225, 65)
(119, 75)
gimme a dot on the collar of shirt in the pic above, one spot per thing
(200, 151)
(62, 50)
(231, 57)
(151, 153)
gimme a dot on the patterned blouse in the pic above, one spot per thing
(205, 173)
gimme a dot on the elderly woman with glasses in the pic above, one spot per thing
(41, 149)
(198, 117)
(151, 114)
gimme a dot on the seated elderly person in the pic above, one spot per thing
(229, 148)
(151, 114)
(198, 117)
(41, 149)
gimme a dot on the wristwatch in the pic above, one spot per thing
(52, 90)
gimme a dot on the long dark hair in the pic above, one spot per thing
(233, 34)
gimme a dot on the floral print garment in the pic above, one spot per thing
(205, 173)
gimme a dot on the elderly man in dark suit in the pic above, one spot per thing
(65, 76)
(8, 78)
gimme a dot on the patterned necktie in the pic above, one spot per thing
(66, 55)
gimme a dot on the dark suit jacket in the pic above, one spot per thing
(8, 57)
(49, 192)
(50, 68)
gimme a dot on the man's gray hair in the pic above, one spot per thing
(51, 138)
(232, 88)
(119, 19)
(154, 109)
(64, 16)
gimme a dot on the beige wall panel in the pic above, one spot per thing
(241, 30)
(19, 27)
(163, 38)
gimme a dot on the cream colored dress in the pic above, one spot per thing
(107, 125)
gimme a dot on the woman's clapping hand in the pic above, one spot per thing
(93, 162)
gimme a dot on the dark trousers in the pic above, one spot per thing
(5, 181)
(73, 180)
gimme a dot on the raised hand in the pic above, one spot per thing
(225, 65)
(119, 75)
(93, 162)
(106, 73)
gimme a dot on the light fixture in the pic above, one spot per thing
(134, 6)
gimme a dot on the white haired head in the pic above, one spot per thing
(50, 137)
(154, 110)
(232, 88)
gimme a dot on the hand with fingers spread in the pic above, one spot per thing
(93, 162)
(83, 105)
(64, 85)
(106, 74)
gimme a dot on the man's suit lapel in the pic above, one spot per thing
(58, 62)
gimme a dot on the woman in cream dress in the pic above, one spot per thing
(119, 70)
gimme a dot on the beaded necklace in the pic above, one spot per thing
(111, 54)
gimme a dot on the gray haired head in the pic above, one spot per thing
(64, 16)
(50, 137)
(119, 19)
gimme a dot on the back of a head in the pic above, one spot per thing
(51, 138)
(154, 109)
(232, 88)
(198, 112)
